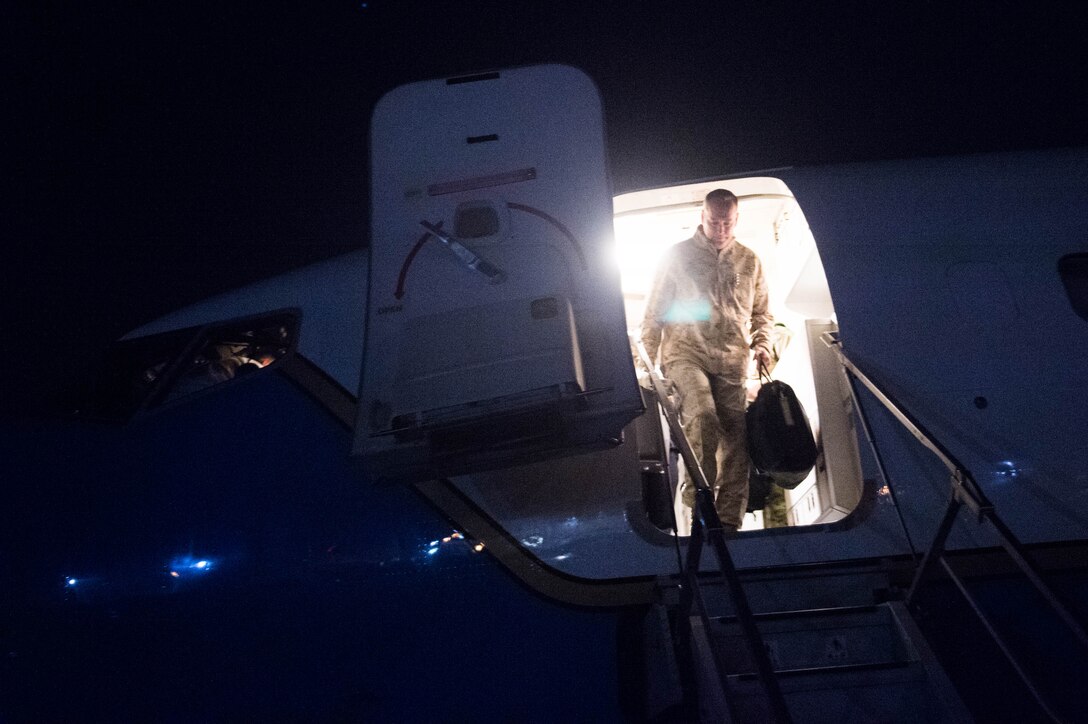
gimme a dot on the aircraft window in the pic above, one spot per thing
(132, 371)
(1073, 269)
(142, 373)
(231, 351)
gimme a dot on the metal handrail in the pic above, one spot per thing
(965, 492)
(707, 527)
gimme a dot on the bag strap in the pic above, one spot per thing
(764, 373)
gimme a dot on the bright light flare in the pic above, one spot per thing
(189, 564)
(641, 240)
(638, 249)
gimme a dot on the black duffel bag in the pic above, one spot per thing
(780, 442)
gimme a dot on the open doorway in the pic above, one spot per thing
(772, 225)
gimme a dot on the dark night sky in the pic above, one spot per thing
(163, 152)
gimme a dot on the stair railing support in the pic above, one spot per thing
(965, 491)
(707, 528)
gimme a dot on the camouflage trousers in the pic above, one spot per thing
(712, 414)
(774, 511)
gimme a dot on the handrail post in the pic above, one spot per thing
(870, 437)
(936, 550)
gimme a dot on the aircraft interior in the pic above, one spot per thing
(772, 224)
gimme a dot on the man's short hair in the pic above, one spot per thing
(720, 197)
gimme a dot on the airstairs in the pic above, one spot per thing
(843, 663)
(840, 664)
(837, 644)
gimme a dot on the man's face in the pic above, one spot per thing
(719, 220)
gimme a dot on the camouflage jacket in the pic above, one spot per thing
(708, 307)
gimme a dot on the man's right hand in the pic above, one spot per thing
(763, 357)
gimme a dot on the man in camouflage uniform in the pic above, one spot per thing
(706, 313)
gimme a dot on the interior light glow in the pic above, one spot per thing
(478, 547)
(641, 239)
(175, 574)
(72, 581)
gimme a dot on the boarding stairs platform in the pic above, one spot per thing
(839, 646)
(860, 660)
(840, 665)
(864, 663)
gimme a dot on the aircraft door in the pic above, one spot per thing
(495, 330)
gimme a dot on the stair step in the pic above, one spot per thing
(901, 692)
(819, 640)
(856, 663)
